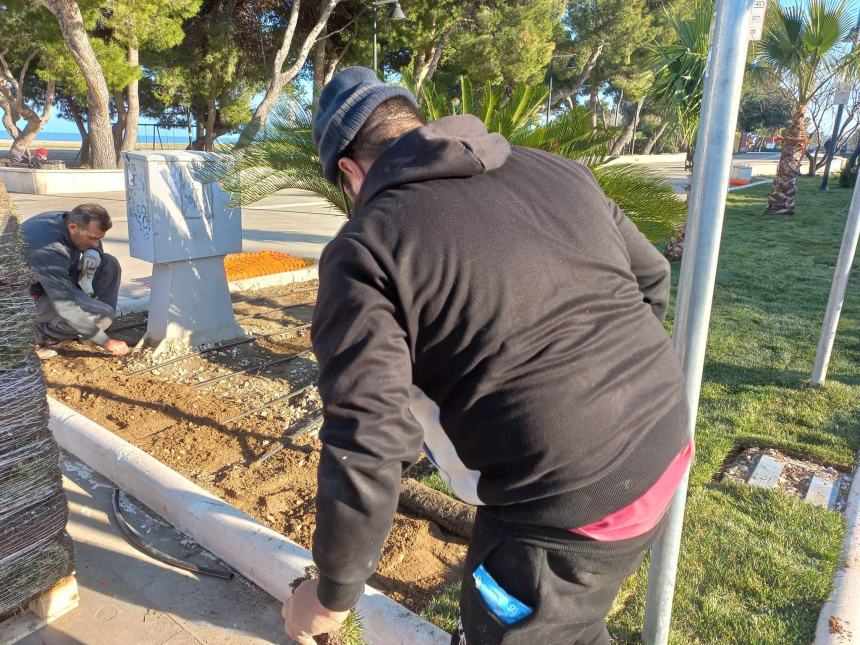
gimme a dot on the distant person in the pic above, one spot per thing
(78, 283)
(488, 304)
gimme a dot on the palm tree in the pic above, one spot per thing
(288, 158)
(803, 48)
(679, 71)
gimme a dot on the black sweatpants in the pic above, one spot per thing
(569, 581)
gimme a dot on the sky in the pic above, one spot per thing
(59, 125)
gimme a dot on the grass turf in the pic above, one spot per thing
(756, 565)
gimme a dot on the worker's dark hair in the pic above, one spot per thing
(83, 214)
(387, 123)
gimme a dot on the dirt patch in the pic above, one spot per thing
(796, 475)
(168, 414)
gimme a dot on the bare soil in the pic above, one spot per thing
(163, 413)
(796, 476)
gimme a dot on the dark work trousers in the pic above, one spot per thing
(569, 581)
(51, 328)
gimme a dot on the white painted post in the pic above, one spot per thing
(837, 290)
(723, 81)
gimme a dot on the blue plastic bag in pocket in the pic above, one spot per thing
(506, 608)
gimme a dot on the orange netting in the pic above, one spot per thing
(240, 266)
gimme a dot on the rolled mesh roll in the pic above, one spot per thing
(35, 550)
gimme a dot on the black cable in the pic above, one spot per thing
(136, 540)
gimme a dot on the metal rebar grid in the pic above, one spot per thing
(254, 368)
(286, 442)
(268, 404)
(215, 348)
(260, 314)
(249, 316)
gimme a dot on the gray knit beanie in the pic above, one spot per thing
(344, 105)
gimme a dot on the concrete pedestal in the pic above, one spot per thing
(190, 302)
(185, 228)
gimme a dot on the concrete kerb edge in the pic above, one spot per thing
(136, 305)
(262, 555)
(750, 185)
(839, 620)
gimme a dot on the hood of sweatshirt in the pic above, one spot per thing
(453, 146)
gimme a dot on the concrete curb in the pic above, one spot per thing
(839, 621)
(136, 305)
(267, 558)
(755, 183)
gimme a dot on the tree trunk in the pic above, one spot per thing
(209, 138)
(279, 75)
(319, 68)
(784, 193)
(8, 122)
(437, 53)
(132, 116)
(119, 126)
(84, 153)
(35, 122)
(652, 140)
(420, 68)
(15, 108)
(592, 103)
(579, 81)
(627, 132)
(71, 22)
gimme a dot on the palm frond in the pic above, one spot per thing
(646, 198)
(288, 158)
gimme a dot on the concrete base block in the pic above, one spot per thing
(766, 473)
(190, 303)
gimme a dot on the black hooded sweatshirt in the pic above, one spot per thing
(490, 305)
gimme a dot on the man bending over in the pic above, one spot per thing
(488, 303)
(78, 283)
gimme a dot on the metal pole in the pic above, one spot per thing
(549, 98)
(375, 70)
(837, 290)
(723, 82)
(825, 180)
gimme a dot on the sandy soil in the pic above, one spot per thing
(182, 425)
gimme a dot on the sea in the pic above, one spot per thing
(174, 137)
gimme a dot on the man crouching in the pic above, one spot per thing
(78, 283)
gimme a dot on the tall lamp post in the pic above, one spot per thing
(396, 15)
(570, 63)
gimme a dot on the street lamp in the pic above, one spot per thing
(570, 64)
(396, 15)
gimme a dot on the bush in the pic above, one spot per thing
(848, 176)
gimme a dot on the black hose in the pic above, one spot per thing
(151, 551)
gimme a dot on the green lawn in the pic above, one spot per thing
(756, 565)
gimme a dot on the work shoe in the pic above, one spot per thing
(90, 261)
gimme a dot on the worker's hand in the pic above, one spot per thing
(116, 347)
(305, 617)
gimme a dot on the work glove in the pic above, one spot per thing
(90, 261)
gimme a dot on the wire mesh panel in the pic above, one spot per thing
(35, 551)
(35, 571)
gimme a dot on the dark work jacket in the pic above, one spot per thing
(491, 305)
